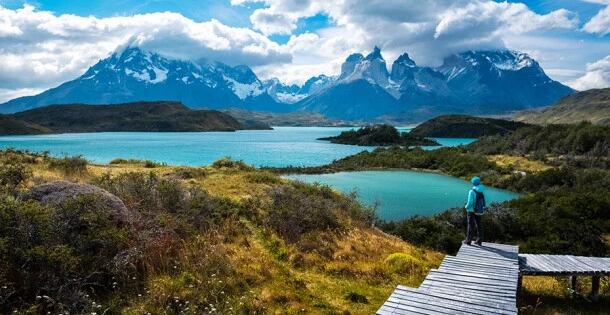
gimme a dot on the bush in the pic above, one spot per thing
(402, 263)
(75, 165)
(227, 162)
(263, 177)
(12, 175)
(64, 254)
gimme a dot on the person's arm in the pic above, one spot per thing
(470, 202)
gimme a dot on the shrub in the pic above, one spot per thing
(63, 254)
(297, 210)
(402, 263)
(263, 177)
(12, 175)
(227, 162)
(75, 165)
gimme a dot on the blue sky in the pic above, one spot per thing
(294, 40)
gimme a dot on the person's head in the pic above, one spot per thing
(476, 181)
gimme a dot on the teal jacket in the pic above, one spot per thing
(472, 197)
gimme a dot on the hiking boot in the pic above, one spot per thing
(467, 243)
(479, 242)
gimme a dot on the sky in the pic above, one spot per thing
(44, 43)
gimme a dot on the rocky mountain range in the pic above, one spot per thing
(473, 82)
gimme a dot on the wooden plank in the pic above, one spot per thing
(466, 308)
(489, 303)
(471, 286)
(421, 308)
(440, 286)
(509, 302)
(483, 262)
(477, 255)
(472, 280)
(503, 278)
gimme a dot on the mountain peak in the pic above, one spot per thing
(354, 57)
(375, 54)
(405, 60)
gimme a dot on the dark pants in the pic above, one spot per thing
(474, 223)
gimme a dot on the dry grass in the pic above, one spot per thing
(320, 274)
(552, 295)
(519, 163)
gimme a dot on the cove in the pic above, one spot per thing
(402, 194)
(283, 146)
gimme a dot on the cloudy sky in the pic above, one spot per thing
(46, 42)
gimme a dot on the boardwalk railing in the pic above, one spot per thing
(486, 280)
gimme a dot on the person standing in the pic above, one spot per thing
(475, 206)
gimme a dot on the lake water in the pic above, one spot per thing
(402, 194)
(282, 146)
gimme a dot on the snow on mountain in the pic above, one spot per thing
(134, 75)
(473, 82)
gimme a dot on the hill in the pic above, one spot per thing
(141, 116)
(12, 126)
(592, 105)
(296, 119)
(220, 239)
(379, 135)
(463, 126)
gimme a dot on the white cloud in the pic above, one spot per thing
(9, 94)
(596, 77)
(41, 49)
(428, 30)
(600, 23)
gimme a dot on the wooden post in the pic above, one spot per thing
(519, 283)
(595, 287)
(573, 285)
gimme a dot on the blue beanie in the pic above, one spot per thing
(475, 181)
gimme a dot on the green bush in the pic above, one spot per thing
(227, 162)
(402, 263)
(13, 174)
(65, 254)
(69, 165)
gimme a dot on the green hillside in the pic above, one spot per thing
(592, 105)
(140, 116)
(463, 126)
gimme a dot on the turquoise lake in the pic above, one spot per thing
(401, 194)
(282, 146)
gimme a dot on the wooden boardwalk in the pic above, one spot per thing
(563, 265)
(478, 280)
(486, 279)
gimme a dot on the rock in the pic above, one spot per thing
(59, 192)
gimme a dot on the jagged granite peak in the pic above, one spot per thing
(405, 60)
(372, 68)
(375, 54)
(354, 57)
(316, 84)
(403, 68)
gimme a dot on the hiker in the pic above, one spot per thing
(474, 211)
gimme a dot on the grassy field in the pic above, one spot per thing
(244, 262)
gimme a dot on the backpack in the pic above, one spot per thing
(479, 204)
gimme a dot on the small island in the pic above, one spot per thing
(464, 126)
(379, 135)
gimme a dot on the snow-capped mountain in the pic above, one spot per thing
(473, 82)
(137, 75)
